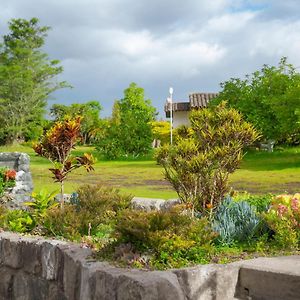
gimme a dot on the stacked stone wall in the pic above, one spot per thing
(32, 268)
(20, 162)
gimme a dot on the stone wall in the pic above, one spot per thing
(19, 162)
(32, 268)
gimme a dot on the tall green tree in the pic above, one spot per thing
(90, 113)
(269, 99)
(129, 130)
(26, 79)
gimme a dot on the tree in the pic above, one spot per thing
(129, 131)
(57, 144)
(89, 111)
(161, 131)
(269, 99)
(199, 162)
(26, 79)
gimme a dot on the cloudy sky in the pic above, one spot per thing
(192, 45)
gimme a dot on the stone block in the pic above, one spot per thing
(275, 278)
(51, 259)
(146, 204)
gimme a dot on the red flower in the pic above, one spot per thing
(10, 175)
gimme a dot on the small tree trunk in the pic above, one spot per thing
(62, 195)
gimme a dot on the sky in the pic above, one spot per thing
(191, 45)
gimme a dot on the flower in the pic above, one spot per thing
(281, 209)
(10, 175)
(295, 204)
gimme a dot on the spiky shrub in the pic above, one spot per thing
(236, 222)
(199, 162)
(57, 144)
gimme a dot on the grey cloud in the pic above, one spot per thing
(191, 45)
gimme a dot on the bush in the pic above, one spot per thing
(236, 222)
(260, 202)
(63, 222)
(99, 205)
(199, 162)
(18, 220)
(94, 207)
(283, 218)
(173, 238)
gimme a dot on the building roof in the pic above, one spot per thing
(196, 100)
(199, 100)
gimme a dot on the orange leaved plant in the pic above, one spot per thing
(57, 144)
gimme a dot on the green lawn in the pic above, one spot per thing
(260, 173)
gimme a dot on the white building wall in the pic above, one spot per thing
(180, 118)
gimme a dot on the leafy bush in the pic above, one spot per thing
(236, 222)
(94, 207)
(199, 162)
(99, 204)
(260, 202)
(63, 222)
(283, 218)
(42, 201)
(18, 220)
(173, 238)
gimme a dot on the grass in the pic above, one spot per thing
(260, 173)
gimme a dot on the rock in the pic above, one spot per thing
(148, 204)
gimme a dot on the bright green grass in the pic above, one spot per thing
(260, 173)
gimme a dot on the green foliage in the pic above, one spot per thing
(7, 179)
(63, 222)
(93, 214)
(18, 220)
(283, 218)
(26, 80)
(236, 222)
(99, 205)
(42, 201)
(199, 162)
(161, 131)
(129, 130)
(173, 238)
(90, 124)
(269, 99)
(260, 202)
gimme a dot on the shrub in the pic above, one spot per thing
(42, 201)
(260, 202)
(173, 238)
(18, 220)
(199, 162)
(236, 222)
(283, 218)
(63, 222)
(99, 205)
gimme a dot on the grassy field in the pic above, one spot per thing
(260, 173)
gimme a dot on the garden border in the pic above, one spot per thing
(37, 268)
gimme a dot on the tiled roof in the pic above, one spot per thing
(199, 100)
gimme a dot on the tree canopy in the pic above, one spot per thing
(269, 99)
(129, 130)
(90, 113)
(26, 79)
